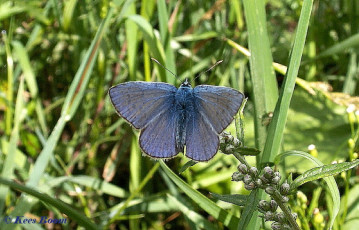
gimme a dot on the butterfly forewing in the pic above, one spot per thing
(140, 102)
(218, 104)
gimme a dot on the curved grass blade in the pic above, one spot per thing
(332, 185)
(68, 14)
(323, 171)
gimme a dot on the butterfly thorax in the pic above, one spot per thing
(184, 106)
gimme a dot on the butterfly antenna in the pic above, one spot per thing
(215, 64)
(153, 59)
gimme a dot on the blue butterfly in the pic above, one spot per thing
(171, 118)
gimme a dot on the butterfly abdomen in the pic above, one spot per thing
(184, 108)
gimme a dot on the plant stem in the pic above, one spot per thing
(277, 197)
(241, 159)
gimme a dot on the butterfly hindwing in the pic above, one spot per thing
(215, 108)
(158, 138)
(140, 102)
(201, 140)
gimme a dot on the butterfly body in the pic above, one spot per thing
(171, 119)
(184, 108)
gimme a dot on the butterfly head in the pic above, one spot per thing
(186, 83)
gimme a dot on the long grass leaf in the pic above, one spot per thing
(10, 79)
(265, 89)
(68, 13)
(31, 83)
(153, 43)
(9, 163)
(166, 38)
(132, 42)
(276, 127)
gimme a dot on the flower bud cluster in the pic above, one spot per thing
(269, 210)
(269, 180)
(228, 143)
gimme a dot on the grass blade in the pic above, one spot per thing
(332, 185)
(206, 204)
(9, 163)
(25, 64)
(265, 89)
(199, 221)
(10, 79)
(323, 171)
(153, 43)
(62, 206)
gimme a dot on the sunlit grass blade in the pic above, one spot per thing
(10, 88)
(30, 79)
(132, 41)
(351, 81)
(276, 127)
(264, 84)
(8, 9)
(68, 13)
(154, 45)
(135, 165)
(166, 38)
(196, 37)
